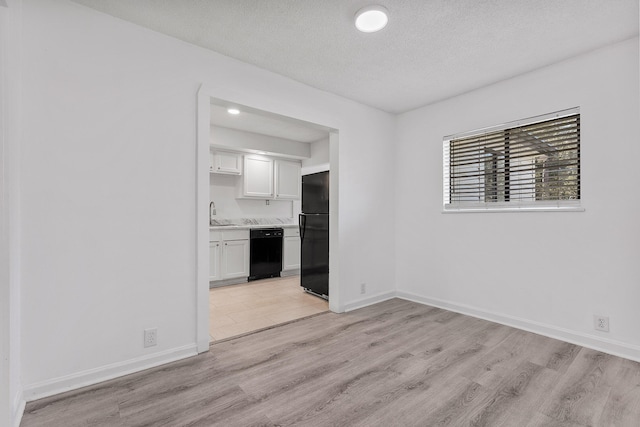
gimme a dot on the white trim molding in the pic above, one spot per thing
(373, 299)
(613, 347)
(18, 409)
(205, 94)
(108, 372)
(104, 373)
(203, 129)
(515, 209)
(516, 123)
(592, 341)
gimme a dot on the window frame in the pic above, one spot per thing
(572, 205)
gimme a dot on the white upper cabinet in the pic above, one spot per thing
(258, 177)
(226, 163)
(287, 179)
(267, 178)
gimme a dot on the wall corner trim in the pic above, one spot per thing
(18, 409)
(613, 347)
(364, 302)
(97, 375)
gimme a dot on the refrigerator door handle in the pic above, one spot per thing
(302, 225)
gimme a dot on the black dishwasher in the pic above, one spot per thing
(265, 247)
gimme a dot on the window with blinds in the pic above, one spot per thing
(531, 163)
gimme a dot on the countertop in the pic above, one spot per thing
(220, 224)
(250, 226)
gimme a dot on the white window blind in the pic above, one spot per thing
(531, 163)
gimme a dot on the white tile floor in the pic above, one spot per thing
(238, 309)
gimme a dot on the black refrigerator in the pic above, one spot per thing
(314, 234)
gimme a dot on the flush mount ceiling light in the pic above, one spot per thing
(233, 111)
(371, 19)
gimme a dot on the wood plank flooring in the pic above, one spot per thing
(396, 363)
(238, 309)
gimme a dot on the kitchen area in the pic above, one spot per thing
(269, 220)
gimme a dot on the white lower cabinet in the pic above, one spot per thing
(235, 259)
(214, 261)
(228, 254)
(291, 249)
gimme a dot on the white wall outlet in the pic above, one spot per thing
(150, 337)
(363, 288)
(601, 323)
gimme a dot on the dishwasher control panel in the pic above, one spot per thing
(261, 233)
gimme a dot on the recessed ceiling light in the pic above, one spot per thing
(371, 19)
(233, 111)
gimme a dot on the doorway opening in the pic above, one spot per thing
(227, 304)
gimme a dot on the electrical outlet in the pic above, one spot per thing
(601, 323)
(150, 337)
(363, 288)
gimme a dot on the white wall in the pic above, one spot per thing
(11, 403)
(223, 190)
(556, 270)
(5, 258)
(237, 139)
(108, 189)
(318, 160)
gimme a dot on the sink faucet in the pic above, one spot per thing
(212, 212)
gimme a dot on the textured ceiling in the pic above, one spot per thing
(429, 51)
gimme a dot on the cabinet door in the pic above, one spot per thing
(288, 179)
(235, 259)
(227, 163)
(258, 177)
(291, 253)
(214, 261)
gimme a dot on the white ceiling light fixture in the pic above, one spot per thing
(233, 111)
(370, 19)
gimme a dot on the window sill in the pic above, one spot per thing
(511, 210)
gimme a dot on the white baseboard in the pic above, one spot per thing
(287, 273)
(373, 299)
(93, 376)
(104, 373)
(605, 345)
(227, 282)
(18, 409)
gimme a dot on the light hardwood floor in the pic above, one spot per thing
(396, 363)
(252, 306)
